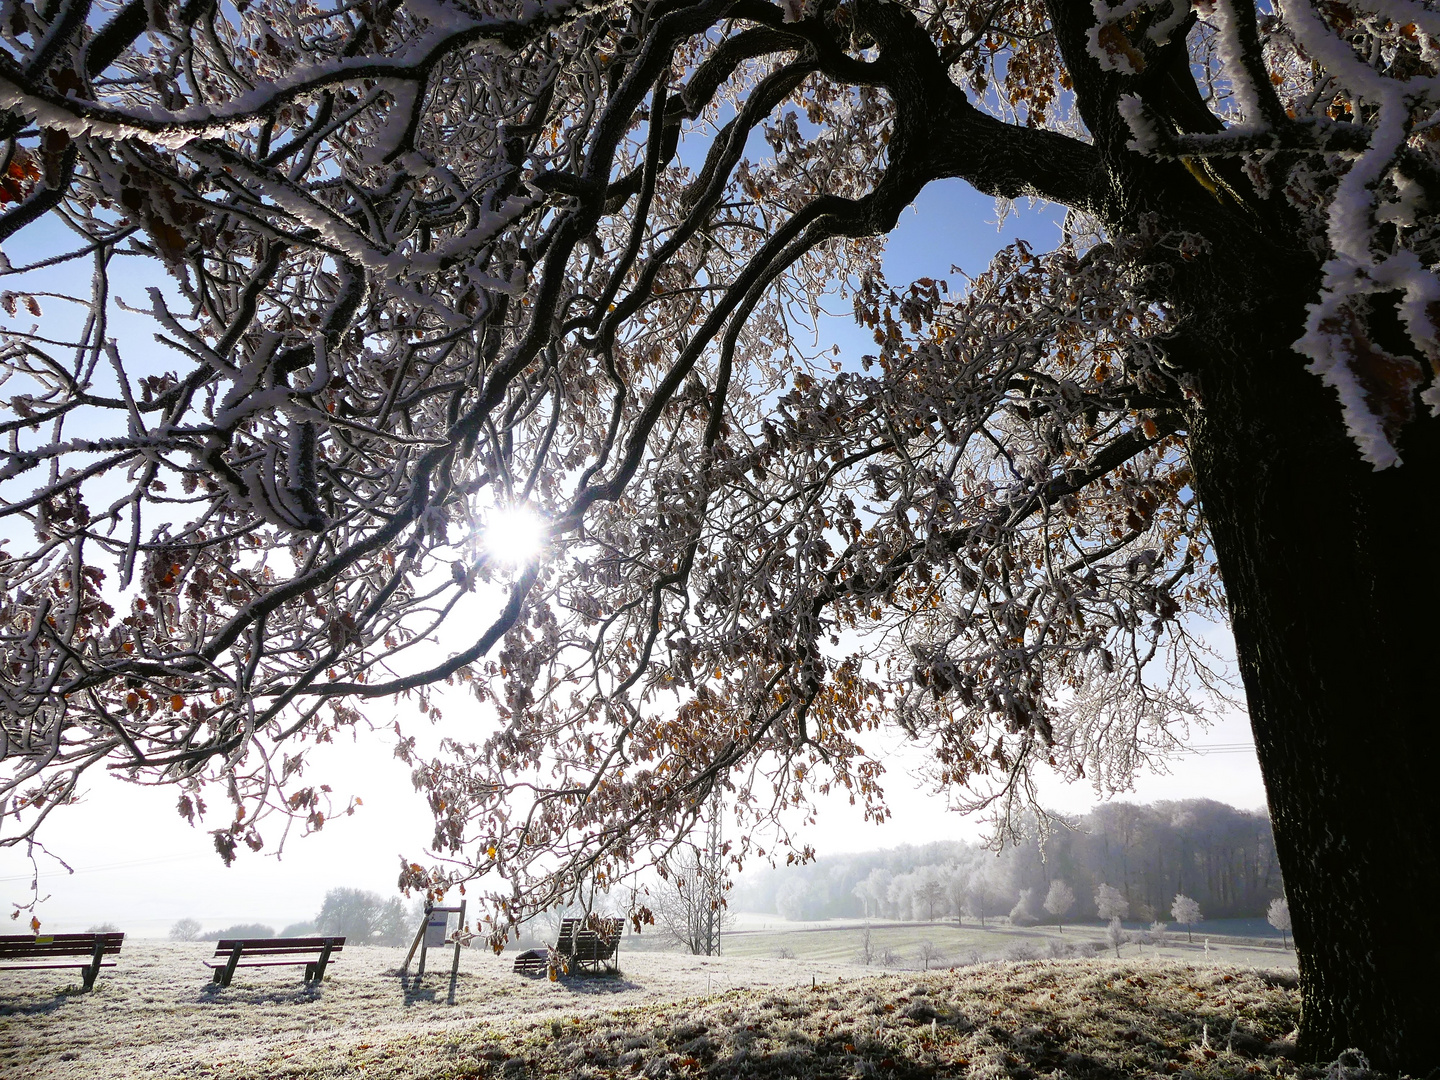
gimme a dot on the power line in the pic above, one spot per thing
(1205, 749)
(107, 866)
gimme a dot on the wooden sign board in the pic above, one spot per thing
(436, 927)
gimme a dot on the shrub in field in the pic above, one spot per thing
(929, 953)
(1115, 935)
(682, 901)
(1025, 912)
(1064, 949)
(184, 930)
(239, 930)
(299, 929)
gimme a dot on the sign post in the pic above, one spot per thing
(434, 933)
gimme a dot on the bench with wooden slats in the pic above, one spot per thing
(592, 947)
(533, 962)
(582, 944)
(88, 952)
(314, 952)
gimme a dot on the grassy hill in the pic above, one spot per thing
(1078, 1019)
(667, 1017)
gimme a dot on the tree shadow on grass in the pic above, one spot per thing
(590, 985)
(598, 984)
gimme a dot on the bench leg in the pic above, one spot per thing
(94, 969)
(317, 969)
(224, 975)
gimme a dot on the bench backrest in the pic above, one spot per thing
(31, 947)
(278, 946)
(591, 946)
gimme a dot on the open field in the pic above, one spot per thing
(667, 1015)
(841, 942)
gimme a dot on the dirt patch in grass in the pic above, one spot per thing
(1079, 1019)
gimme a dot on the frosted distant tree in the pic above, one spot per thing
(957, 886)
(1278, 916)
(363, 917)
(930, 891)
(185, 930)
(1115, 935)
(877, 884)
(980, 893)
(1186, 912)
(866, 895)
(791, 898)
(682, 901)
(308, 306)
(1110, 902)
(901, 896)
(1026, 910)
(1059, 901)
(1157, 933)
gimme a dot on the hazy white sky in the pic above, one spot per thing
(139, 865)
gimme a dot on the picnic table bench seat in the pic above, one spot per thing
(43, 952)
(314, 952)
(532, 962)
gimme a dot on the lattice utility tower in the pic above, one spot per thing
(714, 875)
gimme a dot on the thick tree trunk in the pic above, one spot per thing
(1334, 598)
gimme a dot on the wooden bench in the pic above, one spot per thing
(592, 946)
(533, 962)
(314, 952)
(583, 944)
(24, 952)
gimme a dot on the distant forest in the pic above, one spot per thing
(1221, 857)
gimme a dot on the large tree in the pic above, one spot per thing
(408, 268)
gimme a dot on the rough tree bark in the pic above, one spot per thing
(1319, 553)
(1319, 558)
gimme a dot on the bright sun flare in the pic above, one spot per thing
(515, 535)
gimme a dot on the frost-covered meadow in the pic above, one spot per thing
(666, 1015)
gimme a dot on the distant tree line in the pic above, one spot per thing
(361, 917)
(1219, 857)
